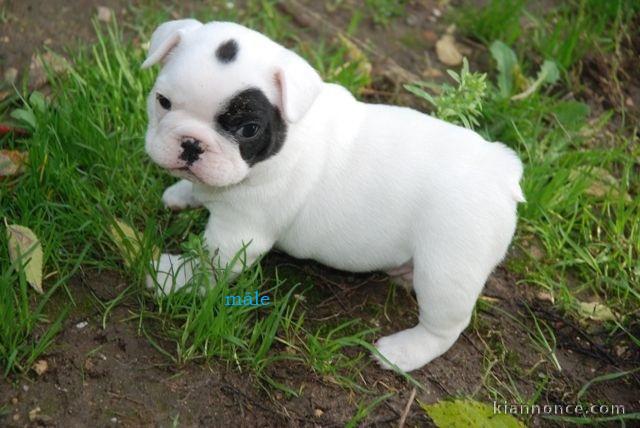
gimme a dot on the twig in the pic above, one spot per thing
(430, 378)
(405, 412)
(466, 336)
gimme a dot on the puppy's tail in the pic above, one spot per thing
(513, 171)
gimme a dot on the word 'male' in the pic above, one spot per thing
(249, 299)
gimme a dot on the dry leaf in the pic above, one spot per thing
(447, 51)
(23, 242)
(104, 14)
(601, 182)
(33, 413)
(41, 63)
(430, 37)
(545, 296)
(129, 243)
(432, 73)
(10, 75)
(12, 162)
(596, 311)
(40, 367)
(533, 248)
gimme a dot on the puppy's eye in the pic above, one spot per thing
(248, 130)
(164, 101)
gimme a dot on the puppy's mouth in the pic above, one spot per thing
(184, 172)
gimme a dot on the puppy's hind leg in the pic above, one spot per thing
(402, 275)
(446, 292)
(180, 196)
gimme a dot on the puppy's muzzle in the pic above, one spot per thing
(191, 150)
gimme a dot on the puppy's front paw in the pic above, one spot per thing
(408, 349)
(179, 196)
(169, 273)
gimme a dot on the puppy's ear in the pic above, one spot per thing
(298, 85)
(166, 37)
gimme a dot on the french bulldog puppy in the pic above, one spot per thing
(282, 159)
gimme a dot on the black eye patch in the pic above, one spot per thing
(227, 51)
(250, 114)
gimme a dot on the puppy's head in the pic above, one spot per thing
(224, 99)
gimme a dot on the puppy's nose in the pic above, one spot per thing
(191, 150)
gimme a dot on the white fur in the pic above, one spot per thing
(356, 186)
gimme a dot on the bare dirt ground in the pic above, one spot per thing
(113, 376)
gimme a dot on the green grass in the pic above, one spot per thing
(565, 33)
(580, 209)
(87, 169)
(580, 180)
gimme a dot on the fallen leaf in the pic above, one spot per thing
(447, 51)
(468, 413)
(40, 64)
(104, 14)
(40, 367)
(24, 243)
(33, 413)
(10, 75)
(545, 296)
(129, 242)
(430, 37)
(432, 73)
(596, 311)
(12, 162)
(601, 182)
(533, 248)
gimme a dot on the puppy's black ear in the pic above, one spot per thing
(298, 84)
(166, 37)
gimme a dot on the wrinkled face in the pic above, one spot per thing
(216, 109)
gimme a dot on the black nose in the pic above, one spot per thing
(191, 150)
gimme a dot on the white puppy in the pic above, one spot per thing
(282, 159)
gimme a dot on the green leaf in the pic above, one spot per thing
(596, 311)
(415, 90)
(38, 102)
(468, 413)
(507, 62)
(24, 244)
(571, 114)
(548, 72)
(25, 116)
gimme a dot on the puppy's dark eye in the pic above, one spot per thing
(164, 101)
(248, 130)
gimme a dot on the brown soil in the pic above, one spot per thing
(113, 376)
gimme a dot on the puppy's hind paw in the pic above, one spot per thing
(408, 349)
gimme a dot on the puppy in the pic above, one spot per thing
(282, 159)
